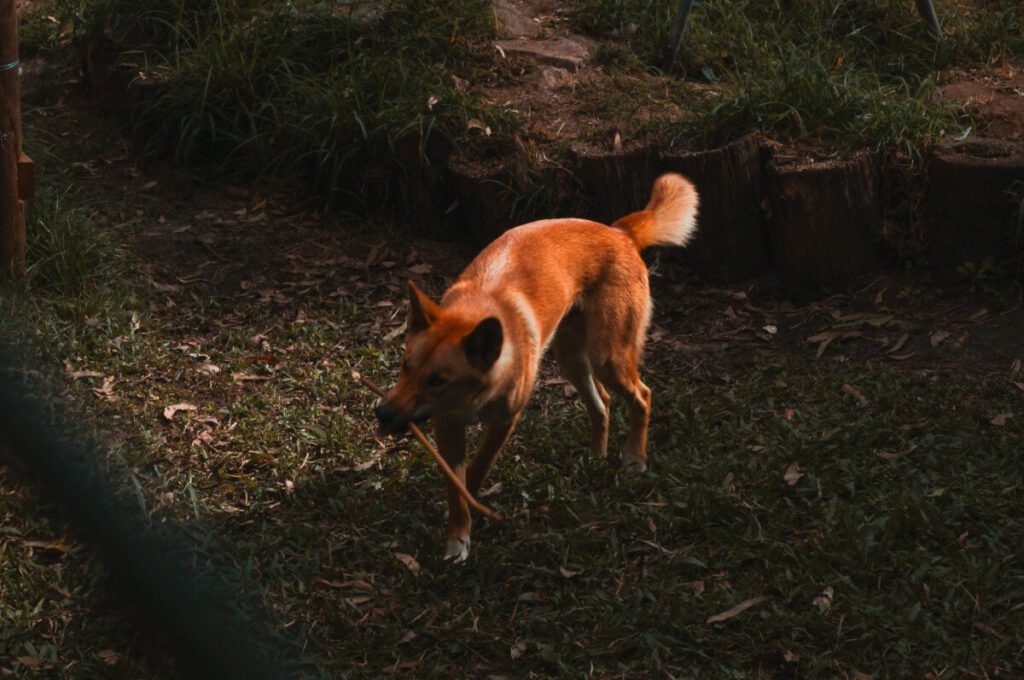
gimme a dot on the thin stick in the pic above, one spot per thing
(445, 468)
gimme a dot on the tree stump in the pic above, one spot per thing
(117, 84)
(613, 184)
(732, 241)
(482, 178)
(826, 215)
(424, 191)
(972, 202)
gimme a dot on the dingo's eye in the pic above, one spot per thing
(436, 380)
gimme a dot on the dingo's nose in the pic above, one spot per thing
(389, 417)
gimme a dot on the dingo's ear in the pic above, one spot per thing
(422, 310)
(483, 344)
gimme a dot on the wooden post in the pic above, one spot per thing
(12, 207)
(676, 37)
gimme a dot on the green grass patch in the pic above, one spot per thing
(844, 73)
(319, 88)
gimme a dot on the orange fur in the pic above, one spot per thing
(576, 285)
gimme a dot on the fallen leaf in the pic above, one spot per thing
(738, 609)
(938, 337)
(409, 561)
(106, 390)
(1020, 386)
(109, 656)
(423, 268)
(358, 584)
(857, 675)
(792, 474)
(208, 369)
(206, 420)
(358, 599)
(824, 601)
(568, 573)
(491, 490)
(169, 411)
(59, 545)
(1001, 419)
(396, 332)
(825, 338)
(248, 377)
(30, 661)
(78, 375)
(164, 287)
(366, 464)
(770, 329)
(696, 586)
(856, 394)
(517, 650)
(901, 357)
(790, 657)
(899, 343)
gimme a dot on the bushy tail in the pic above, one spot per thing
(670, 218)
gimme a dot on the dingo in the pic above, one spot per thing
(577, 285)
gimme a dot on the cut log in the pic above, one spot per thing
(613, 183)
(118, 85)
(482, 178)
(972, 202)
(423, 187)
(825, 218)
(732, 241)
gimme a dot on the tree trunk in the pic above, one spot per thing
(973, 202)
(12, 209)
(732, 241)
(825, 216)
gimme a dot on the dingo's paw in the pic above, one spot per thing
(457, 549)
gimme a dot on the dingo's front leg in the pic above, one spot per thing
(494, 438)
(451, 443)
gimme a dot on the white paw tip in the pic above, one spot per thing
(634, 467)
(457, 549)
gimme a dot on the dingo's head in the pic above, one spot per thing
(447, 361)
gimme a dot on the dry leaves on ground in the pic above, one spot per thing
(792, 474)
(738, 609)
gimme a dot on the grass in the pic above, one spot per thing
(843, 73)
(895, 553)
(327, 90)
(906, 510)
(306, 87)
